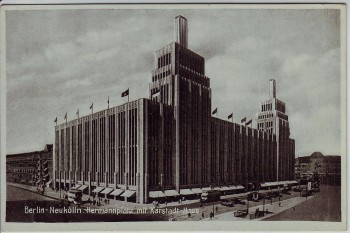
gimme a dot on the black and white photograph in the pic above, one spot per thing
(202, 114)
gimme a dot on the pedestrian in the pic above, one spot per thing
(293, 208)
(279, 204)
(202, 214)
(189, 215)
(216, 208)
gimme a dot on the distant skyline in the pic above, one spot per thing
(59, 61)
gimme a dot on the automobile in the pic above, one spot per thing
(238, 201)
(227, 203)
(210, 195)
(305, 193)
(285, 191)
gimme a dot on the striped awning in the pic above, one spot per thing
(197, 190)
(76, 186)
(225, 188)
(117, 192)
(83, 187)
(186, 192)
(171, 193)
(129, 193)
(107, 191)
(98, 189)
(265, 191)
(156, 194)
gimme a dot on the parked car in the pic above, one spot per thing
(285, 191)
(238, 201)
(227, 203)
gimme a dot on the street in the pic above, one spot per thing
(325, 206)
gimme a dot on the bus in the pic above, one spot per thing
(74, 196)
(210, 195)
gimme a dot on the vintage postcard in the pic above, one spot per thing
(173, 117)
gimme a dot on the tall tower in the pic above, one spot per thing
(181, 31)
(179, 80)
(272, 118)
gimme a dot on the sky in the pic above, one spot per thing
(58, 61)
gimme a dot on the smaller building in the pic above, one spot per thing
(30, 167)
(327, 167)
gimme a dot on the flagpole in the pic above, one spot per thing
(128, 94)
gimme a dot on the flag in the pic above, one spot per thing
(125, 93)
(215, 111)
(248, 122)
(243, 120)
(108, 101)
(92, 105)
(230, 116)
(55, 120)
(65, 116)
(77, 112)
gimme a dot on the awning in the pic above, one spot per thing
(206, 189)
(117, 192)
(107, 191)
(225, 188)
(239, 187)
(186, 192)
(265, 191)
(197, 190)
(48, 183)
(171, 193)
(216, 188)
(231, 187)
(98, 189)
(156, 194)
(83, 187)
(129, 193)
(76, 186)
(276, 190)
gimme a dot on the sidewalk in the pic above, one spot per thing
(274, 208)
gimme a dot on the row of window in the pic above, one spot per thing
(164, 60)
(161, 75)
(264, 116)
(267, 107)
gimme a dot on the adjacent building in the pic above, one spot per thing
(327, 167)
(26, 168)
(169, 144)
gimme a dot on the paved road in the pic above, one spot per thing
(17, 194)
(325, 206)
(220, 209)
